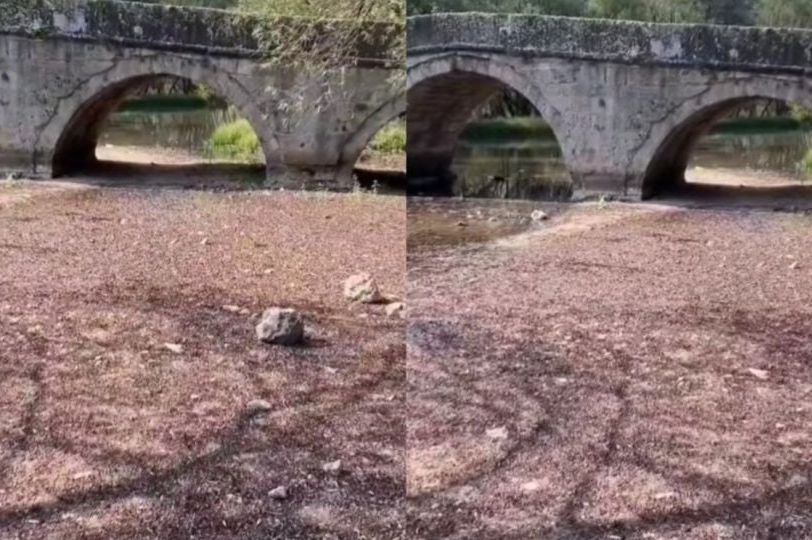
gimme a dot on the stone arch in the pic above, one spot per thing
(467, 81)
(69, 138)
(355, 145)
(665, 156)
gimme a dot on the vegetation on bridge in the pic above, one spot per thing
(796, 13)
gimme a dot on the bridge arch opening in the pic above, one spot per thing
(157, 123)
(754, 147)
(474, 133)
(375, 155)
(382, 163)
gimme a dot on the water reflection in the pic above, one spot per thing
(512, 170)
(534, 169)
(189, 131)
(779, 152)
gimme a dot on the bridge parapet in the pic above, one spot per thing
(157, 26)
(625, 42)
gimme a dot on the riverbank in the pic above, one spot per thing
(620, 370)
(130, 362)
(389, 169)
(524, 127)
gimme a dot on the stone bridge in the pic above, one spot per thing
(627, 101)
(63, 71)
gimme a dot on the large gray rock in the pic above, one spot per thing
(362, 288)
(281, 326)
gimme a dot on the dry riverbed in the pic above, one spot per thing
(618, 371)
(128, 361)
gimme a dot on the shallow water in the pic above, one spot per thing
(188, 131)
(533, 169)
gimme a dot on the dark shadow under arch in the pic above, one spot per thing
(665, 175)
(440, 108)
(666, 171)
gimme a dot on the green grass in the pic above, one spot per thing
(758, 125)
(507, 128)
(500, 129)
(807, 164)
(160, 104)
(391, 139)
(235, 141)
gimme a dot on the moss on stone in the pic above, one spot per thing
(612, 40)
(174, 27)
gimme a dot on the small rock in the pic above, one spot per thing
(664, 495)
(493, 219)
(332, 466)
(362, 288)
(530, 487)
(231, 309)
(395, 309)
(759, 374)
(538, 215)
(797, 480)
(497, 434)
(204, 242)
(794, 266)
(278, 493)
(461, 224)
(174, 347)
(281, 326)
(258, 406)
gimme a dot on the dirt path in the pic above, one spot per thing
(741, 177)
(175, 156)
(620, 371)
(107, 432)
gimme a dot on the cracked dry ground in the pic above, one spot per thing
(627, 372)
(106, 433)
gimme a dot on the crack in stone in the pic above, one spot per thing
(633, 152)
(40, 128)
(710, 86)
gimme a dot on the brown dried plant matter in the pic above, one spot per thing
(621, 371)
(108, 432)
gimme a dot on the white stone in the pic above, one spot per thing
(362, 288)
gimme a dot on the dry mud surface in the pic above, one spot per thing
(619, 371)
(108, 432)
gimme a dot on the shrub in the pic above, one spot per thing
(801, 114)
(235, 141)
(807, 164)
(391, 139)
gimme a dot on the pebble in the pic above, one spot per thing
(395, 309)
(174, 347)
(759, 374)
(258, 406)
(499, 433)
(538, 215)
(278, 493)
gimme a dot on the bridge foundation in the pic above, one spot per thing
(64, 71)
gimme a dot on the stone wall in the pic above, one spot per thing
(627, 42)
(157, 26)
